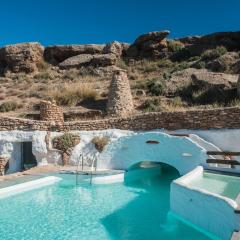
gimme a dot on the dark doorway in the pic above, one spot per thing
(28, 159)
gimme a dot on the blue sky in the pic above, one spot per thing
(99, 21)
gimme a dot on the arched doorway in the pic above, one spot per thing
(147, 169)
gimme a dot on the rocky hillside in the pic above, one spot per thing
(165, 74)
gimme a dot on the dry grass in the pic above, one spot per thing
(100, 142)
(71, 94)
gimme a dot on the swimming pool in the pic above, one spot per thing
(135, 210)
(225, 185)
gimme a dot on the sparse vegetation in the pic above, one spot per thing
(9, 106)
(156, 87)
(213, 53)
(72, 94)
(175, 46)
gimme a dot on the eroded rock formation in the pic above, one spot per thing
(148, 45)
(23, 57)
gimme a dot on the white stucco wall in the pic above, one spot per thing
(209, 211)
(125, 147)
(225, 139)
(10, 146)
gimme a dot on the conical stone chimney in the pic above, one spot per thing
(120, 102)
(238, 86)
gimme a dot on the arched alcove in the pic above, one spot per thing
(179, 152)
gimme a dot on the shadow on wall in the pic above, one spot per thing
(179, 152)
(146, 216)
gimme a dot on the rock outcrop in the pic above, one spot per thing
(58, 53)
(116, 48)
(196, 44)
(204, 78)
(149, 45)
(201, 78)
(23, 57)
(120, 102)
(224, 63)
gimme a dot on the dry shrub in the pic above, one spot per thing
(72, 94)
(66, 141)
(9, 106)
(100, 142)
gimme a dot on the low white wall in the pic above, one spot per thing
(212, 212)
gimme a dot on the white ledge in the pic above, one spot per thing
(27, 186)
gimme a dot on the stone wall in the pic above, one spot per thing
(51, 112)
(192, 119)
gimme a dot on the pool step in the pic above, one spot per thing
(235, 236)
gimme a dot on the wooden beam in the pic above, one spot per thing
(221, 161)
(223, 153)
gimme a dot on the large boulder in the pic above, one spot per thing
(202, 78)
(23, 57)
(95, 60)
(76, 61)
(115, 48)
(224, 63)
(58, 53)
(103, 60)
(151, 37)
(149, 45)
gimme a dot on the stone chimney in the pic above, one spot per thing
(120, 103)
(238, 86)
(51, 112)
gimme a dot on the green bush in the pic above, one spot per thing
(66, 141)
(151, 105)
(200, 65)
(9, 106)
(156, 87)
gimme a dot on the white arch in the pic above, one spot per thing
(180, 152)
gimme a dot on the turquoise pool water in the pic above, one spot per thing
(228, 186)
(137, 210)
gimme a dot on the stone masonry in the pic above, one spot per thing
(238, 87)
(192, 119)
(120, 103)
(51, 112)
(3, 164)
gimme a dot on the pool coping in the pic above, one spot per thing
(28, 186)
